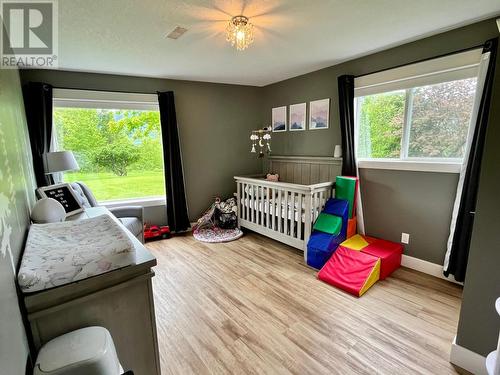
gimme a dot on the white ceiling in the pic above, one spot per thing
(292, 37)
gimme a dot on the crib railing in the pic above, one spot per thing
(280, 210)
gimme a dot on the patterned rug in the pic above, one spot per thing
(217, 235)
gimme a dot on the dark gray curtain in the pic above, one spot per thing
(346, 109)
(177, 214)
(38, 106)
(459, 254)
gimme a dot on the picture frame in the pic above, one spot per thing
(279, 123)
(64, 194)
(319, 114)
(298, 117)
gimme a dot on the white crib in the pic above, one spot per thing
(285, 211)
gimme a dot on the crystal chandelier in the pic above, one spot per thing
(262, 139)
(239, 32)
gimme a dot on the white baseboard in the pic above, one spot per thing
(467, 359)
(426, 267)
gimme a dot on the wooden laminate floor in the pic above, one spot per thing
(253, 307)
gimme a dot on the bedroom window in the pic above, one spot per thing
(117, 144)
(417, 117)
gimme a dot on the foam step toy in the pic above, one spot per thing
(352, 271)
(388, 252)
(347, 188)
(351, 227)
(325, 238)
(328, 223)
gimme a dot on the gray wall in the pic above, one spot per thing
(215, 121)
(16, 199)
(419, 203)
(409, 192)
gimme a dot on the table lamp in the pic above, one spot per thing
(60, 161)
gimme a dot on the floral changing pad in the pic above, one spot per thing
(61, 253)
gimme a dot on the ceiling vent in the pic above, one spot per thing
(177, 32)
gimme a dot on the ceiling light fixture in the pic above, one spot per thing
(239, 32)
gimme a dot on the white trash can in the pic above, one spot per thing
(82, 352)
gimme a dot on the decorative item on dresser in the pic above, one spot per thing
(47, 210)
(64, 194)
(285, 210)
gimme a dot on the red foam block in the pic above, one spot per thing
(350, 270)
(389, 253)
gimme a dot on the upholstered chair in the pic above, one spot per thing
(132, 217)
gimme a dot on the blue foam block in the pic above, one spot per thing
(337, 207)
(321, 245)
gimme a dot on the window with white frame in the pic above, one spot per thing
(417, 113)
(116, 139)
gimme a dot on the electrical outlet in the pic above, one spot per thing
(405, 238)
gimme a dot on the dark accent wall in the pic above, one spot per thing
(419, 203)
(16, 199)
(215, 122)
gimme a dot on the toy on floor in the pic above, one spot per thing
(353, 271)
(218, 223)
(156, 232)
(334, 224)
(359, 262)
(329, 231)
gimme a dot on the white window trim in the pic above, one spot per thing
(144, 202)
(71, 98)
(411, 165)
(442, 69)
(104, 99)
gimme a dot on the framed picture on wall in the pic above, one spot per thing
(298, 117)
(319, 114)
(279, 119)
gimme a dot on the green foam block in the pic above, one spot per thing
(345, 188)
(328, 223)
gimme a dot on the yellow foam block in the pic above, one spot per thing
(356, 242)
(372, 279)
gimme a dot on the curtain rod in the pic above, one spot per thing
(422, 60)
(104, 90)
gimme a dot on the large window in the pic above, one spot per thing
(417, 113)
(119, 151)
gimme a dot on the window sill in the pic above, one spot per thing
(144, 202)
(416, 166)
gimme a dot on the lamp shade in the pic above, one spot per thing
(60, 161)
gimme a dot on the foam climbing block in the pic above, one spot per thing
(337, 207)
(388, 252)
(328, 223)
(351, 227)
(346, 188)
(321, 245)
(352, 271)
(356, 242)
(320, 248)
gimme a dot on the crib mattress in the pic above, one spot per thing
(60, 253)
